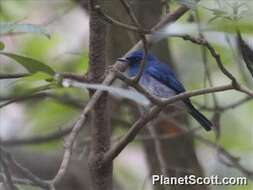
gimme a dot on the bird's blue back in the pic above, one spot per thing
(164, 74)
(156, 69)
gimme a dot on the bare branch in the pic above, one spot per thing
(40, 95)
(227, 107)
(69, 145)
(137, 86)
(37, 139)
(132, 132)
(134, 19)
(76, 77)
(205, 60)
(13, 76)
(154, 111)
(158, 149)
(170, 17)
(234, 160)
(130, 12)
(18, 180)
(7, 174)
(26, 173)
(217, 58)
(118, 23)
(144, 58)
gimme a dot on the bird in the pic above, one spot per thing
(160, 80)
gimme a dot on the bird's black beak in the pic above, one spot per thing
(123, 60)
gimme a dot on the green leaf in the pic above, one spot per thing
(191, 4)
(217, 12)
(1, 45)
(39, 47)
(245, 14)
(230, 26)
(37, 77)
(246, 51)
(14, 28)
(21, 93)
(30, 64)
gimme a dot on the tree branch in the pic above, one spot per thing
(7, 174)
(38, 139)
(13, 76)
(111, 20)
(154, 111)
(26, 173)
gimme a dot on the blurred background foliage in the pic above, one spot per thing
(60, 40)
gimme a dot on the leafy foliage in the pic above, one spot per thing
(246, 51)
(234, 11)
(1, 45)
(191, 4)
(30, 64)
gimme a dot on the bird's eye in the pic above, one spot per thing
(136, 59)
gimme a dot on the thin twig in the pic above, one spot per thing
(111, 20)
(34, 140)
(237, 86)
(144, 58)
(7, 174)
(131, 13)
(13, 76)
(238, 61)
(26, 173)
(76, 77)
(131, 133)
(29, 93)
(137, 86)
(19, 180)
(38, 139)
(227, 107)
(214, 54)
(158, 149)
(205, 60)
(69, 145)
(134, 19)
(234, 160)
(39, 95)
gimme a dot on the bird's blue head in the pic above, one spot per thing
(134, 60)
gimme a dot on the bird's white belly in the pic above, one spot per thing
(155, 87)
(160, 90)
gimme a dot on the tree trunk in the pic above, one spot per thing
(101, 175)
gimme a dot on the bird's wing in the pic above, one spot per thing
(165, 75)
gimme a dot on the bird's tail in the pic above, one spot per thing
(203, 121)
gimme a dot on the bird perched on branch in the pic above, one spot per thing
(160, 80)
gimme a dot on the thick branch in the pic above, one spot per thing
(154, 111)
(101, 174)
